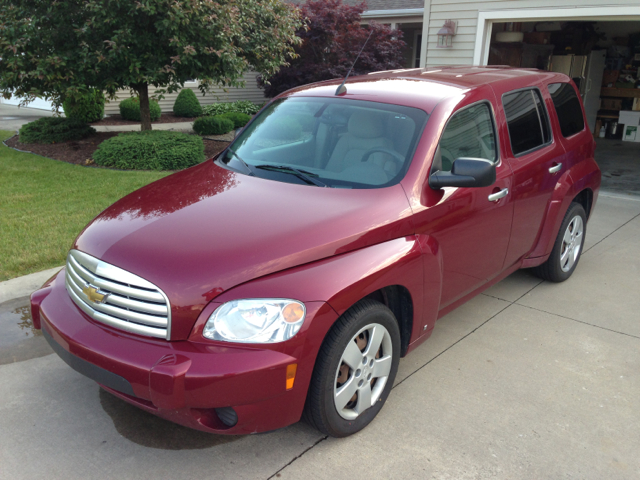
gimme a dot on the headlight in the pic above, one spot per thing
(260, 320)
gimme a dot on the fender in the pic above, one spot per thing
(583, 175)
(329, 288)
(342, 280)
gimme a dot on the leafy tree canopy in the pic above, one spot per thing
(59, 48)
(331, 40)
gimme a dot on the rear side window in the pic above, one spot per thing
(567, 107)
(527, 120)
(469, 133)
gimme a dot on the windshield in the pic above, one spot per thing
(328, 142)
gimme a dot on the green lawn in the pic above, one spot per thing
(44, 204)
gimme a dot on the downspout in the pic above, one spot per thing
(426, 16)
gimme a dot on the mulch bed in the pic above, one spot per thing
(80, 152)
(164, 118)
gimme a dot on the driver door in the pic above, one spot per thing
(471, 225)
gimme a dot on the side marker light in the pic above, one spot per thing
(291, 375)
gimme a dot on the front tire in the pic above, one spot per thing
(567, 248)
(355, 370)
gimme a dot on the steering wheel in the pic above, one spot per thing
(392, 153)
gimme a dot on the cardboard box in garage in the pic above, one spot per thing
(611, 103)
(631, 122)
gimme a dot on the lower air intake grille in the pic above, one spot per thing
(117, 298)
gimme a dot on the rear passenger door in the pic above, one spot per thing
(571, 127)
(536, 161)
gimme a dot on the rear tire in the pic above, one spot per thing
(355, 370)
(567, 248)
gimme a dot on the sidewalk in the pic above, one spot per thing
(186, 127)
(25, 285)
(175, 127)
(13, 117)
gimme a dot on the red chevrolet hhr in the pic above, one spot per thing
(289, 274)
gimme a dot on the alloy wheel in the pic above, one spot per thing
(363, 371)
(571, 243)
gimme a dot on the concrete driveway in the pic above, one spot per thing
(529, 380)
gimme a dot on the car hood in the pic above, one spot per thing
(202, 231)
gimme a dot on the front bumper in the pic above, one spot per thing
(188, 382)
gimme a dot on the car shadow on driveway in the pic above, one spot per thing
(150, 431)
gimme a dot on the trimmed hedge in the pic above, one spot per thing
(130, 109)
(150, 150)
(54, 130)
(217, 125)
(241, 106)
(88, 107)
(187, 104)
(239, 119)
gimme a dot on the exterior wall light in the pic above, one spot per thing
(446, 33)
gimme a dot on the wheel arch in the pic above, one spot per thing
(580, 183)
(585, 198)
(397, 298)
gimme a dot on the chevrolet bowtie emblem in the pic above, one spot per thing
(94, 294)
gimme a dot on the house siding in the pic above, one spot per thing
(465, 12)
(250, 92)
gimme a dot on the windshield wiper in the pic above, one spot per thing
(303, 174)
(244, 164)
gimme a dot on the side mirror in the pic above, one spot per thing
(465, 172)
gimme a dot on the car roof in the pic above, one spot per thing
(426, 87)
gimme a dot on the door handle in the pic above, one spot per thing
(494, 197)
(556, 168)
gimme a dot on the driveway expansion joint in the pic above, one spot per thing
(453, 344)
(576, 320)
(623, 225)
(298, 456)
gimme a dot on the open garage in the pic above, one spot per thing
(599, 48)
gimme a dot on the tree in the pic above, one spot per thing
(331, 40)
(56, 49)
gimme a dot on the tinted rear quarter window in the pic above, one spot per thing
(567, 107)
(527, 120)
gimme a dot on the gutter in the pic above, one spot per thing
(398, 12)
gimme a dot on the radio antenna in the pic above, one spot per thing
(342, 89)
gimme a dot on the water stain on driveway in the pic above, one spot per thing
(19, 340)
(150, 431)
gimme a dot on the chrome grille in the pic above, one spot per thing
(115, 297)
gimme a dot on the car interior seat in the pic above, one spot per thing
(365, 131)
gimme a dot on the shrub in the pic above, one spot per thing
(217, 109)
(54, 130)
(187, 104)
(239, 119)
(130, 109)
(217, 125)
(88, 107)
(241, 106)
(333, 32)
(150, 150)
